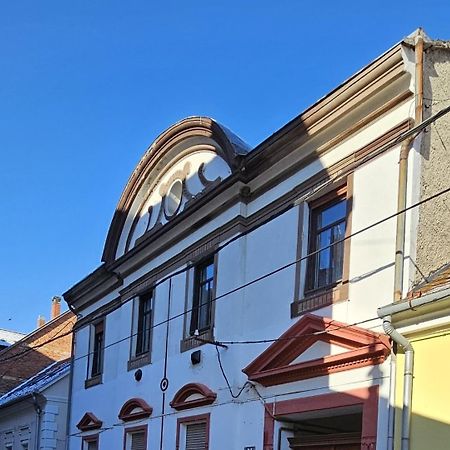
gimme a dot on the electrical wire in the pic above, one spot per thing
(408, 133)
(262, 277)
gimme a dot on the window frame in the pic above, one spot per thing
(182, 424)
(189, 340)
(307, 299)
(128, 431)
(95, 378)
(88, 439)
(315, 209)
(141, 357)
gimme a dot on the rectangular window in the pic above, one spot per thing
(144, 324)
(90, 442)
(136, 438)
(203, 295)
(327, 229)
(97, 349)
(196, 436)
(193, 433)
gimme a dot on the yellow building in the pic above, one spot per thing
(424, 322)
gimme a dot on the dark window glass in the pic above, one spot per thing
(144, 324)
(203, 292)
(327, 227)
(97, 352)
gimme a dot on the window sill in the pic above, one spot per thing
(93, 381)
(319, 299)
(138, 361)
(190, 342)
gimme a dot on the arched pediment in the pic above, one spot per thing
(192, 395)
(185, 161)
(89, 422)
(134, 409)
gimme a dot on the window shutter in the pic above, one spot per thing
(138, 441)
(196, 436)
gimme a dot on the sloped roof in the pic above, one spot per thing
(37, 383)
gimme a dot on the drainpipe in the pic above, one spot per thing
(407, 378)
(399, 269)
(38, 410)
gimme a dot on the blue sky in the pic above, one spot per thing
(86, 86)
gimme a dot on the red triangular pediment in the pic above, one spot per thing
(282, 362)
(89, 422)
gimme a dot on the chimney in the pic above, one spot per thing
(56, 307)
(40, 321)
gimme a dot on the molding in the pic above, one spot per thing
(180, 401)
(230, 147)
(367, 398)
(273, 366)
(176, 230)
(126, 412)
(89, 422)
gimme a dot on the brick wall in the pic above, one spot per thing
(21, 361)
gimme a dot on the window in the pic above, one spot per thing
(96, 350)
(203, 294)
(143, 324)
(193, 433)
(141, 331)
(90, 442)
(327, 227)
(136, 438)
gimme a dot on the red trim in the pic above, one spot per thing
(273, 366)
(193, 419)
(366, 397)
(179, 401)
(134, 429)
(89, 422)
(90, 438)
(126, 412)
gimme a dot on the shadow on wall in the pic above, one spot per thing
(17, 366)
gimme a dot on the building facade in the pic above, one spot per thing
(34, 414)
(235, 306)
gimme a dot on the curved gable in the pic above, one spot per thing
(135, 408)
(192, 395)
(188, 159)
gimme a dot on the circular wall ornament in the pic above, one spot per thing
(173, 198)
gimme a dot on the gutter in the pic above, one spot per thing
(389, 329)
(386, 313)
(38, 409)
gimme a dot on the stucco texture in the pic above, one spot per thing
(433, 234)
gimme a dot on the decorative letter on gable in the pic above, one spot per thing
(89, 422)
(316, 346)
(135, 409)
(192, 395)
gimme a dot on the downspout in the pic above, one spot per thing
(408, 371)
(69, 399)
(38, 409)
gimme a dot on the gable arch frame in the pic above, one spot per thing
(166, 147)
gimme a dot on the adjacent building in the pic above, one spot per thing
(235, 306)
(34, 414)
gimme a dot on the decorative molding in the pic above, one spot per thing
(275, 365)
(181, 399)
(89, 422)
(135, 408)
(85, 292)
